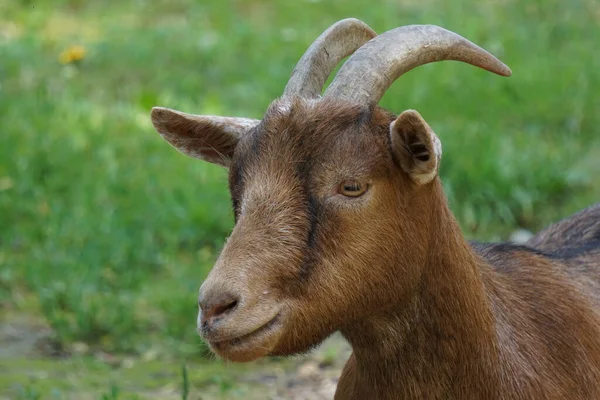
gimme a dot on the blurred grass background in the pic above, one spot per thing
(106, 232)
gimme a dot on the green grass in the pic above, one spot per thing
(106, 232)
(86, 378)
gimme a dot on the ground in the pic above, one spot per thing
(30, 366)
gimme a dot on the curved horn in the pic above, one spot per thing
(338, 41)
(372, 69)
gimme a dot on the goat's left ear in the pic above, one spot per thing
(207, 137)
(416, 147)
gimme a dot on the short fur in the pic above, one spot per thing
(428, 315)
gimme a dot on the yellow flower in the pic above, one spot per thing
(72, 54)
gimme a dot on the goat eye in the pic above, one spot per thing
(352, 188)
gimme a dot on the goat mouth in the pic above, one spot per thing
(257, 335)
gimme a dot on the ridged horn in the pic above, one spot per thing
(372, 69)
(338, 41)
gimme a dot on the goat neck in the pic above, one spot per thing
(442, 335)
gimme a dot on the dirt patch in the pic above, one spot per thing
(314, 376)
(31, 362)
(23, 336)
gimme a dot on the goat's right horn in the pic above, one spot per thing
(315, 66)
(372, 69)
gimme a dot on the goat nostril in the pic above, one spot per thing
(223, 308)
(215, 307)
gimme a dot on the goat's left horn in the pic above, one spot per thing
(338, 41)
(372, 69)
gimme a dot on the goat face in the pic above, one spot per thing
(331, 195)
(315, 187)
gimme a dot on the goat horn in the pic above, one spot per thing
(338, 41)
(372, 69)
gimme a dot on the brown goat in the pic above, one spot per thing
(342, 225)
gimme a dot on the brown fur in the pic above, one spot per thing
(428, 315)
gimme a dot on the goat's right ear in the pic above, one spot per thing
(210, 138)
(416, 147)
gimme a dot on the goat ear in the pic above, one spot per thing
(416, 147)
(207, 137)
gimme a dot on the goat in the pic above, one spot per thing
(341, 224)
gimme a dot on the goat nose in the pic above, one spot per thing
(217, 305)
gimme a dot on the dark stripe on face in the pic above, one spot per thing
(313, 211)
(236, 173)
(313, 216)
(235, 187)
